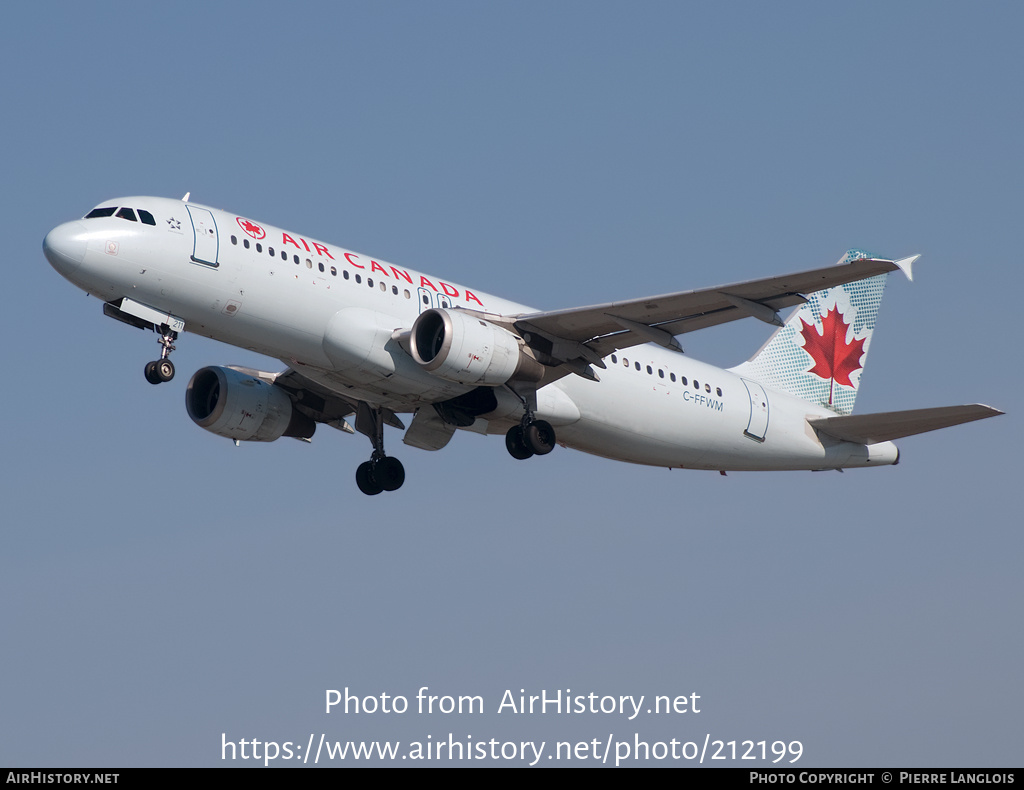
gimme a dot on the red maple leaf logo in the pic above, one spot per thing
(833, 357)
(251, 228)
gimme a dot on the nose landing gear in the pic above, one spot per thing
(162, 370)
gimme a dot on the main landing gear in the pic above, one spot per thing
(531, 437)
(381, 472)
(162, 370)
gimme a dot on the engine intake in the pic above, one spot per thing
(468, 350)
(238, 406)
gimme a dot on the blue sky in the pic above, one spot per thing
(161, 587)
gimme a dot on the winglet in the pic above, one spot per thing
(185, 199)
(904, 265)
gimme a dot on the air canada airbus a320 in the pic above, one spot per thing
(365, 340)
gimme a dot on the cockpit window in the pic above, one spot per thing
(101, 212)
(146, 217)
(127, 213)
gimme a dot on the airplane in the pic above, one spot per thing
(368, 340)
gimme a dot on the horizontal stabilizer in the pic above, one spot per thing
(888, 425)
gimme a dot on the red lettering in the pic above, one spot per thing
(322, 250)
(424, 282)
(376, 267)
(304, 244)
(402, 273)
(451, 290)
(349, 256)
(286, 239)
(471, 295)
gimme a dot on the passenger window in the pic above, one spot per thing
(637, 365)
(259, 247)
(270, 251)
(614, 360)
(320, 266)
(234, 240)
(719, 391)
(128, 214)
(245, 243)
(146, 217)
(407, 294)
(672, 376)
(394, 290)
(650, 371)
(334, 272)
(101, 212)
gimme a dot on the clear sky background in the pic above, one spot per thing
(160, 587)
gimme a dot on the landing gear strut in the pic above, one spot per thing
(531, 437)
(381, 472)
(162, 370)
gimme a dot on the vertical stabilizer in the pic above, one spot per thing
(820, 352)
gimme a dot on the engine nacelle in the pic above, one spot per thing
(468, 350)
(237, 406)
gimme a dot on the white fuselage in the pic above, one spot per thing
(331, 314)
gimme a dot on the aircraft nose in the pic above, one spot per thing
(65, 245)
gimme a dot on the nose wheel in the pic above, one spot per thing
(162, 370)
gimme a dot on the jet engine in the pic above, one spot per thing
(238, 406)
(468, 350)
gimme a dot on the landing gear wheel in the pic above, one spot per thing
(389, 473)
(163, 369)
(515, 443)
(159, 371)
(380, 473)
(539, 437)
(366, 480)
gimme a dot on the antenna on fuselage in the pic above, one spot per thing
(185, 199)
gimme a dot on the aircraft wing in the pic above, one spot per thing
(889, 425)
(319, 400)
(604, 328)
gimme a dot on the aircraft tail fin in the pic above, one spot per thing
(820, 352)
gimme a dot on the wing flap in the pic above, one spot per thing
(889, 425)
(428, 431)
